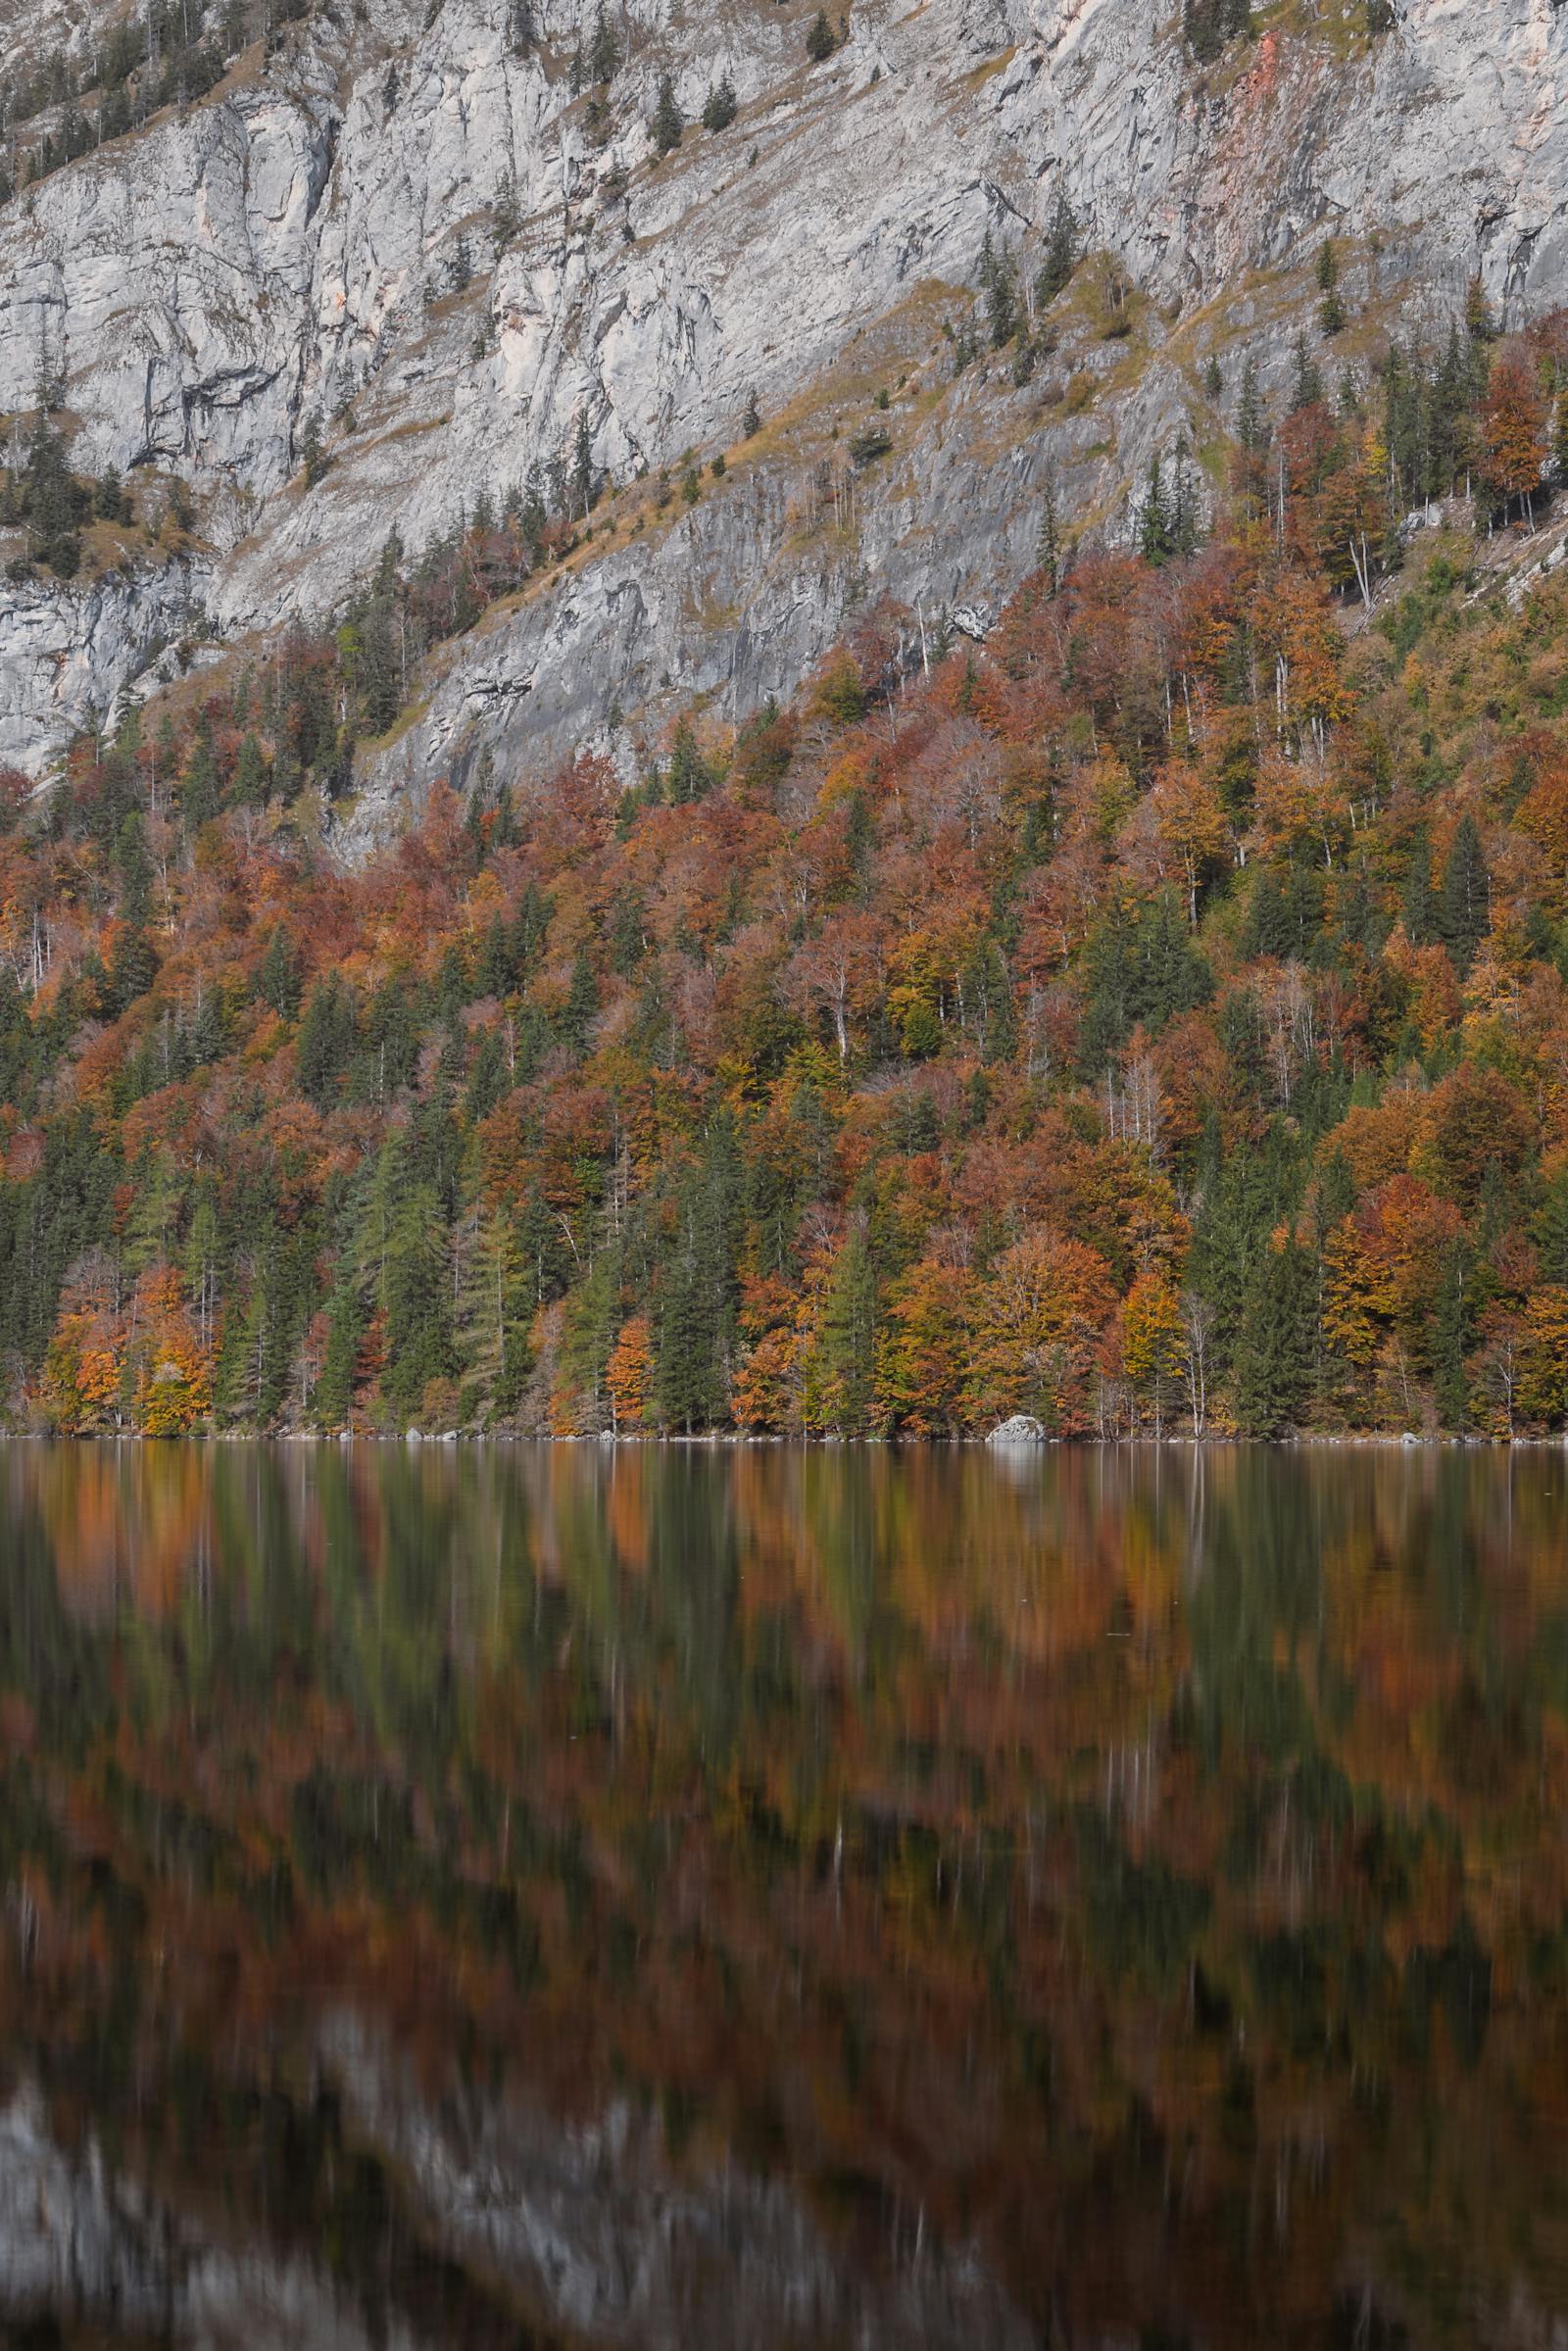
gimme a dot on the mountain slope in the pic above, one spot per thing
(323, 239)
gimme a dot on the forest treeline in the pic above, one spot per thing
(1154, 1018)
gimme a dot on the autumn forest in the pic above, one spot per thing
(1150, 1014)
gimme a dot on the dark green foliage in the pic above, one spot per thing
(1210, 24)
(720, 107)
(1054, 273)
(1167, 523)
(1464, 902)
(326, 1040)
(699, 1288)
(669, 123)
(1140, 971)
(1274, 1355)
(820, 39)
(1331, 309)
(312, 453)
(46, 497)
(604, 49)
(687, 777)
(999, 291)
(1419, 910)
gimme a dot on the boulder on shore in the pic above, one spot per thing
(1021, 1429)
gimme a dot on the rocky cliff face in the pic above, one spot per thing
(323, 237)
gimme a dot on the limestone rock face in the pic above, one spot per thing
(314, 240)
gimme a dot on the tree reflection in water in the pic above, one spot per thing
(536, 1893)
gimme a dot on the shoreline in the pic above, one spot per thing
(727, 1440)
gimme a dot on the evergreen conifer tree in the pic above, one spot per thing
(669, 123)
(1464, 903)
(1331, 306)
(1054, 273)
(720, 109)
(1275, 1351)
(1419, 905)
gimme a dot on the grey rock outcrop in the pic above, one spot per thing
(314, 240)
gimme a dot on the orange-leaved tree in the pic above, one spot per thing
(1039, 1318)
(174, 1371)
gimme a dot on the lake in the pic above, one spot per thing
(477, 1895)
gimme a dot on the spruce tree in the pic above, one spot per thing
(667, 124)
(1419, 905)
(1330, 308)
(507, 217)
(1049, 550)
(312, 453)
(1306, 377)
(345, 1333)
(604, 49)
(1054, 273)
(1464, 903)
(720, 108)
(820, 42)
(326, 1041)
(1153, 522)
(999, 293)
(418, 1289)
(840, 1382)
(1274, 1355)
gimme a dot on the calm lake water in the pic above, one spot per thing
(471, 1897)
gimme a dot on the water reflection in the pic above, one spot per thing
(470, 1895)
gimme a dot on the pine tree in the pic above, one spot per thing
(1153, 522)
(1464, 902)
(1419, 905)
(1274, 1354)
(820, 41)
(346, 1320)
(842, 1380)
(418, 1307)
(698, 1288)
(582, 465)
(1048, 551)
(999, 292)
(1331, 309)
(582, 1004)
(326, 1041)
(277, 982)
(687, 777)
(1054, 273)
(506, 219)
(250, 774)
(1478, 323)
(313, 453)
(668, 123)
(604, 49)
(720, 109)
(1306, 379)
